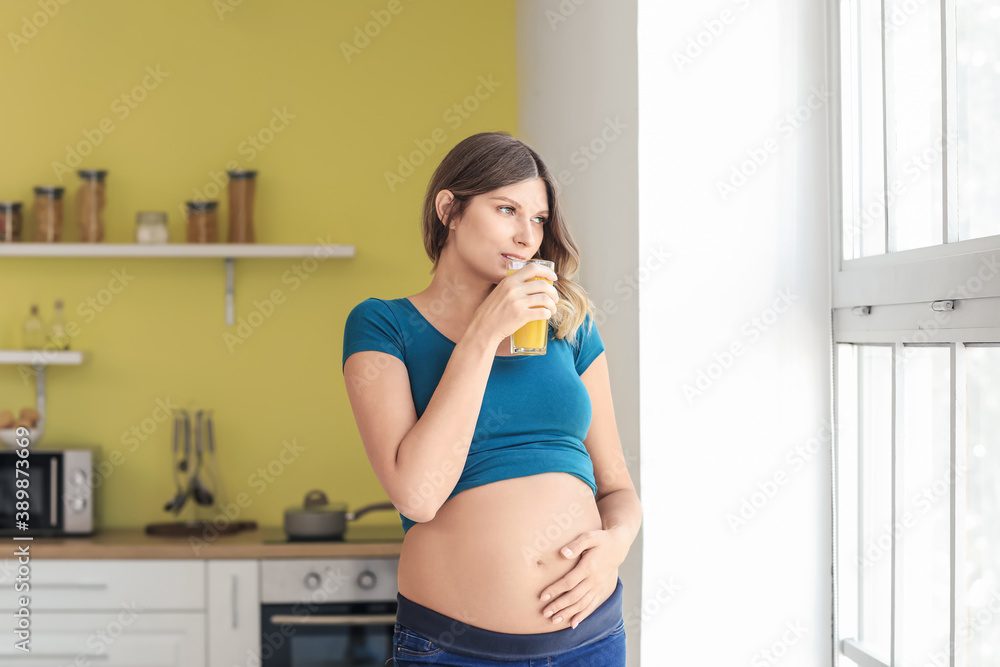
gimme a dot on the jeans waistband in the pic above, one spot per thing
(458, 637)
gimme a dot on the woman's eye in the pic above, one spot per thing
(509, 210)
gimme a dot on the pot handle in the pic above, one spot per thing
(315, 498)
(351, 516)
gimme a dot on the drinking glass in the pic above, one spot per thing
(532, 338)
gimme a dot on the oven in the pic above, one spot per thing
(330, 612)
(57, 495)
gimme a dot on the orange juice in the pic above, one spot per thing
(533, 337)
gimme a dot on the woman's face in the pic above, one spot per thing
(506, 221)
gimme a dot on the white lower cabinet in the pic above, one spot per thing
(135, 613)
(124, 638)
(233, 613)
(84, 585)
(139, 613)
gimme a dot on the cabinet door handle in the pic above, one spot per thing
(236, 620)
(54, 492)
(68, 656)
(352, 619)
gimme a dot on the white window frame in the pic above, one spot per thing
(897, 299)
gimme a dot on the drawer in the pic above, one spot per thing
(123, 638)
(91, 585)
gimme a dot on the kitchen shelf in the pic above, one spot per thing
(39, 360)
(174, 250)
(42, 357)
(229, 252)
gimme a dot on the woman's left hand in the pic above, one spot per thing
(595, 577)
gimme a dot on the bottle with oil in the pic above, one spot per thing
(33, 330)
(58, 338)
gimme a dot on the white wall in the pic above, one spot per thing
(577, 105)
(714, 591)
(717, 82)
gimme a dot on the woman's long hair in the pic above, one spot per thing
(485, 162)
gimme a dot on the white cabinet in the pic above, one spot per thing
(233, 612)
(123, 638)
(140, 613)
(148, 613)
(164, 585)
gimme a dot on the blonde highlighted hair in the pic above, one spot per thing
(490, 160)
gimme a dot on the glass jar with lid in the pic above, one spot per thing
(48, 213)
(151, 227)
(10, 221)
(242, 183)
(90, 205)
(202, 221)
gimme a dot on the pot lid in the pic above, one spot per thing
(316, 502)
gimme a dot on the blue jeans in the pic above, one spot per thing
(424, 637)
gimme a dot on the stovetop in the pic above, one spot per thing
(354, 534)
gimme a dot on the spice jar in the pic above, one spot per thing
(10, 221)
(151, 227)
(48, 213)
(242, 183)
(90, 205)
(202, 222)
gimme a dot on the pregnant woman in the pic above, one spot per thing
(507, 471)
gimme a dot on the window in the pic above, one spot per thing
(916, 322)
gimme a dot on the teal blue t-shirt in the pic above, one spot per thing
(536, 410)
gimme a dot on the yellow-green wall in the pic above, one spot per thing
(228, 64)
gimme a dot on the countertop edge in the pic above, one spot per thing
(133, 543)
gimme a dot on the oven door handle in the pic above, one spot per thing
(348, 619)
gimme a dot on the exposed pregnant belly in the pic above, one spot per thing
(490, 550)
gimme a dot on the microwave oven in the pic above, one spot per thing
(56, 492)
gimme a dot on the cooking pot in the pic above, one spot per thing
(319, 519)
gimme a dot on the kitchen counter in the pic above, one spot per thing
(265, 542)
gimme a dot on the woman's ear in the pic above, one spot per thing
(442, 204)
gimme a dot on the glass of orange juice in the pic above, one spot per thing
(533, 337)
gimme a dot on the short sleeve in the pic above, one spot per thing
(372, 326)
(588, 345)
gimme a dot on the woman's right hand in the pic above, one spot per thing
(516, 300)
